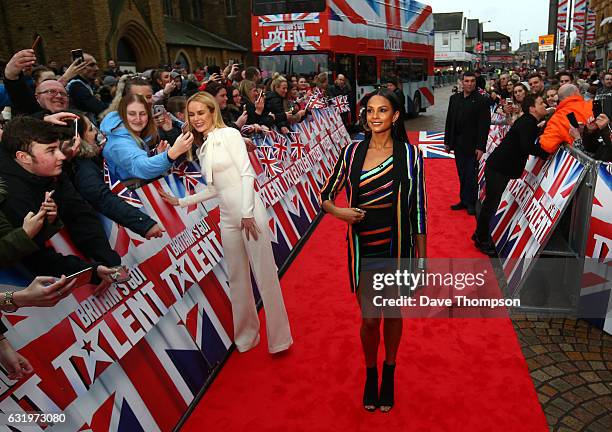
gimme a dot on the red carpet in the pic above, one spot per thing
(452, 374)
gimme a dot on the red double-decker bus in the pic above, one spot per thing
(366, 40)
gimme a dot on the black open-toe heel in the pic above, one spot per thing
(370, 391)
(387, 390)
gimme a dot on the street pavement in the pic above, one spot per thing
(569, 360)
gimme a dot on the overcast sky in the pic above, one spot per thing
(507, 16)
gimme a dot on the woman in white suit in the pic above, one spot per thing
(244, 225)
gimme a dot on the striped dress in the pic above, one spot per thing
(376, 198)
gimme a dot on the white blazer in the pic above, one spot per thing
(225, 163)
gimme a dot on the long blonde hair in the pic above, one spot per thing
(209, 101)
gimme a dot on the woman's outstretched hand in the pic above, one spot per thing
(250, 228)
(170, 199)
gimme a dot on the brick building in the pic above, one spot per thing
(138, 33)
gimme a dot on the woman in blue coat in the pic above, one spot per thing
(132, 135)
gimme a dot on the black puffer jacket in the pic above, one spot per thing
(25, 194)
(275, 105)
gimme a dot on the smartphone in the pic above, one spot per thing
(572, 119)
(76, 128)
(185, 128)
(550, 110)
(214, 70)
(158, 110)
(77, 54)
(240, 65)
(36, 42)
(260, 95)
(509, 101)
(82, 277)
(597, 109)
(50, 195)
(121, 274)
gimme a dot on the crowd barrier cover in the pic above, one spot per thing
(134, 358)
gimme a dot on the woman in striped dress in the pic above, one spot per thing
(386, 217)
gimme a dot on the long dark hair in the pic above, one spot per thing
(398, 131)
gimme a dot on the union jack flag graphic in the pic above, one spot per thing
(279, 34)
(341, 104)
(271, 165)
(530, 209)
(115, 185)
(296, 146)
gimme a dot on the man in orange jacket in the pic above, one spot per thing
(557, 128)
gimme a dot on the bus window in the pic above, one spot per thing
(417, 70)
(273, 7)
(366, 70)
(307, 65)
(345, 64)
(403, 69)
(387, 70)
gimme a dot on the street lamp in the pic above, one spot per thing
(521, 31)
(482, 52)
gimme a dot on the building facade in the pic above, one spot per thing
(603, 33)
(450, 36)
(139, 34)
(497, 48)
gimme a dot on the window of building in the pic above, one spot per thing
(230, 8)
(197, 9)
(168, 8)
(366, 70)
(445, 40)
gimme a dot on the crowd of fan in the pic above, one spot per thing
(67, 126)
(588, 96)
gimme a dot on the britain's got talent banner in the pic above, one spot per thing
(596, 289)
(494, 139)
(135, 357)
(529, 210)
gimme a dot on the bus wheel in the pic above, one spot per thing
(416, 105)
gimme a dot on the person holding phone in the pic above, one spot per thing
(131, 134)
(386, 217)
(558, 126)
(254, 101)
(244, 225)
(81, 89)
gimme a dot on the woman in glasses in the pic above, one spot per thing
(82, 144)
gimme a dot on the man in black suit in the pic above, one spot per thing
(508, 162)
(467, 128)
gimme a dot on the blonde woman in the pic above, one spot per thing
(278, 104)
(131, 134)
(244, 221)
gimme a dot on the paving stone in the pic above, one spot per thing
(573, 355)
(540, 375)
(597, 427)
(590, 376)
(584, 393)
(560, 384)
(566, 346)
(594, 407)
(574, 380)
(547, 390)
(553, 371)
(591, 356)
(572, 422)
(558, 357)
(597, 365)
(605, 375)
(567, 367)
(583, 415)
(561, 403)
(554, 411)
(600, 389)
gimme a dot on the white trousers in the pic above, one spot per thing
(241, 256)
